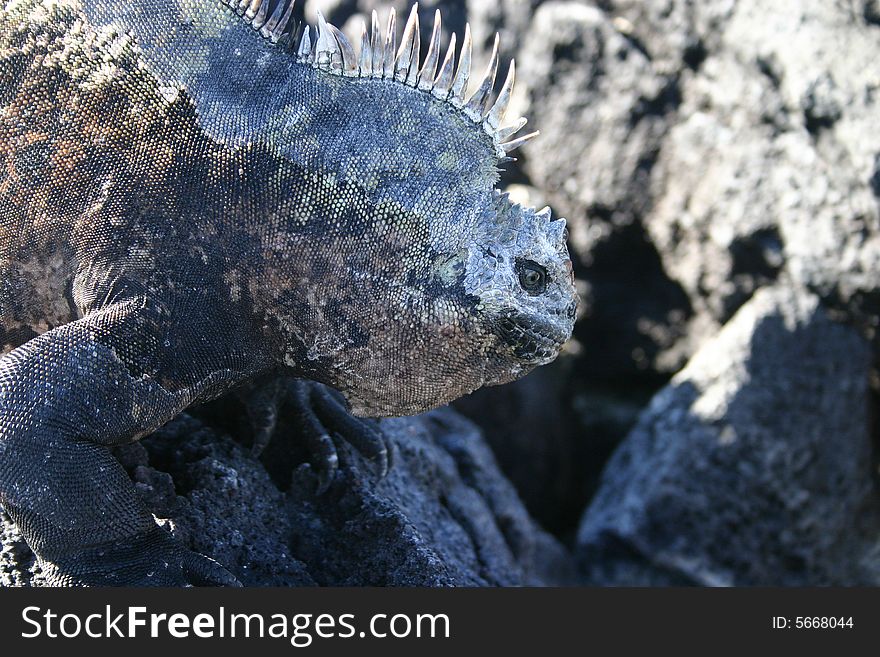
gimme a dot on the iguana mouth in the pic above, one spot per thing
(531, 340)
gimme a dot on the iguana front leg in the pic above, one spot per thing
(66, 397)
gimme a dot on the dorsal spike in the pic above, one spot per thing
(390, 46)
(462, 77)
(557, 230)
(505, 133)
(284, 36)
(252, 9)
(304, 52)
(413, 78)
(429, 70)
(378, 46)
(328, 56)
(349, 59)
(405, 54)
(443, 83)
(279, 21)
(496, 114)
(365, 63)
(544, 213)
(329, 50)
(262, 15)
(238, 6)
(516, 143)
(476, 106)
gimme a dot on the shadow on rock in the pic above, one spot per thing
(753, 467)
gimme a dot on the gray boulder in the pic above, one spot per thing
(772, 164)
(752, 467)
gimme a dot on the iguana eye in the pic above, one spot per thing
(532, 276)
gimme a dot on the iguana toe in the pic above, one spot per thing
(362, 434)
(261, 399)
(326, 422)
(326, 458)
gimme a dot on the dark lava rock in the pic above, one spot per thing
(443, 516)
(753, 467)
(551, 436)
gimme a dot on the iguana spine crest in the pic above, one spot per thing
(330, 50)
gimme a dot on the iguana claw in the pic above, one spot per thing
(323, 450)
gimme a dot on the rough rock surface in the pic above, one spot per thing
(772, 165)
(752, 467)
(444, 516)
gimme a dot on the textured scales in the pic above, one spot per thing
(194, 194)
(328, 49)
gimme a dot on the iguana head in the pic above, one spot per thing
(422, 282)
(518, 268)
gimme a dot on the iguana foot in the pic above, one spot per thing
(322, 418)
(326, 422)
(155, 559)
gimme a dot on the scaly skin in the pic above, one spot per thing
(184, 208)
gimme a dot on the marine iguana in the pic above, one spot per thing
(198, 193)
